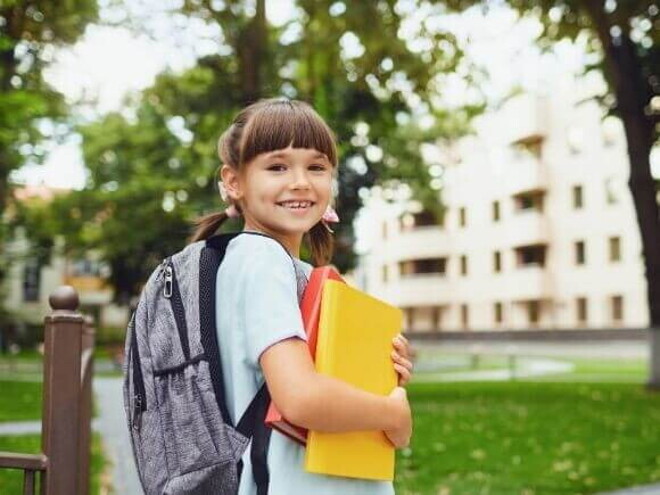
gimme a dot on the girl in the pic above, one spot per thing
(278, 159)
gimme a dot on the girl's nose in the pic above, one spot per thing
(300, 180)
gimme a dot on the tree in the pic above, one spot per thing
(626, 35)
(29, 32)
(152, 173)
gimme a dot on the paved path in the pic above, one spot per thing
(639, 490)
(113, 429)
(524, 368)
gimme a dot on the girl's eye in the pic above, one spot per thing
(277, 167)
(317, 168)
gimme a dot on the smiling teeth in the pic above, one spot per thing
(296, 204)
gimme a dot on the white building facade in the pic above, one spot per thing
(539, 231)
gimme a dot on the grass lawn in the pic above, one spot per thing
(530, 438)
(20, 400)
(493, 438)
(11, 480)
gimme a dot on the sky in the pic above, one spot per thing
(110, 63)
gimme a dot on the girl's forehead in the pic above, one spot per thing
(291, 152)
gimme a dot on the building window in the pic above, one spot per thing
(496, 211)
(534, 255)
(385, 273)
(499, 313)
(497, 261)
(617, 308)
(575, 139)
(435, 317)
(424, 218)
(611, 195)
(534, 312)
(615, 249)
(437, 266)
(581, 310)
(578, 200)
(462, 216)
(86, 268)
(464, 265)
(31, 280)
(410, 317)
(529, 201)
(580, 253)
(532, 146)
(465, 316)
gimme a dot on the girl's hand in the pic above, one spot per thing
(400, 435)
(401, 357)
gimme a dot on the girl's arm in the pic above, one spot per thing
(322, 403)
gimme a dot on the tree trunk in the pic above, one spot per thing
(251, 54)
(631, 91)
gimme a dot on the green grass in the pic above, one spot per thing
(11, 480)
(530, 439)
(20, 400)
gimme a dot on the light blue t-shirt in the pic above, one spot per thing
(256, 307)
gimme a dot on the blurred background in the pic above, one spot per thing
(499, 181)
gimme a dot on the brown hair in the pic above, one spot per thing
(270, 125)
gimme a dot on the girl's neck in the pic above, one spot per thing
(290, 244)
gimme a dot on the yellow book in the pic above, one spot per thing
(354, 345)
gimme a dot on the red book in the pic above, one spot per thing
(310, 308)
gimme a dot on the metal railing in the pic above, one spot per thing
(62, 467)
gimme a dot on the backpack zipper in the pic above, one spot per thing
(139, 393)
(171, 292)
(169, 281)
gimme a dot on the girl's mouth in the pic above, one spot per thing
(296, 205)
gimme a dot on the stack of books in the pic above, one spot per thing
(350, 338)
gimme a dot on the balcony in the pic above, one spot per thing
(526, 118)
(419, 242)
(417, 290)
(526, 174)
(524, 283)
(524, 228)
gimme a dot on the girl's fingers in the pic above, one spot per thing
(404, 374)
(401, 345)
(400, 360)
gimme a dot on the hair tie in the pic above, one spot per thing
(232, 212)
(330, 216)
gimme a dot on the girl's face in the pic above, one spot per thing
(282, 193)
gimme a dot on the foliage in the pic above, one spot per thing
(153, 172)
(28, 35)
(29, 108)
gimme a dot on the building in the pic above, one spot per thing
(539, 231)
(29, 283)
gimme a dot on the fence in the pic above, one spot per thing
(63, 466)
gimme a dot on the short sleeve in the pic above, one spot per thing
(271, 307)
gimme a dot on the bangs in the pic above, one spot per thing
(280, 123)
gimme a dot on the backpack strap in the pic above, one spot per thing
(251, 424)
(210, 258)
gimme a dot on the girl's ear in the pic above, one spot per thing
(230, 181)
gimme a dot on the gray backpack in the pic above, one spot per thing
(183, 439)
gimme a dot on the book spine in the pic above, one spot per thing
(324, 337)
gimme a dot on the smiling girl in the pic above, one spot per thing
(278, 162)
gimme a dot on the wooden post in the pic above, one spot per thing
(62, 393)
(86, 374)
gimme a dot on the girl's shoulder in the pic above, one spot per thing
(262, 253)
(258, 246)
